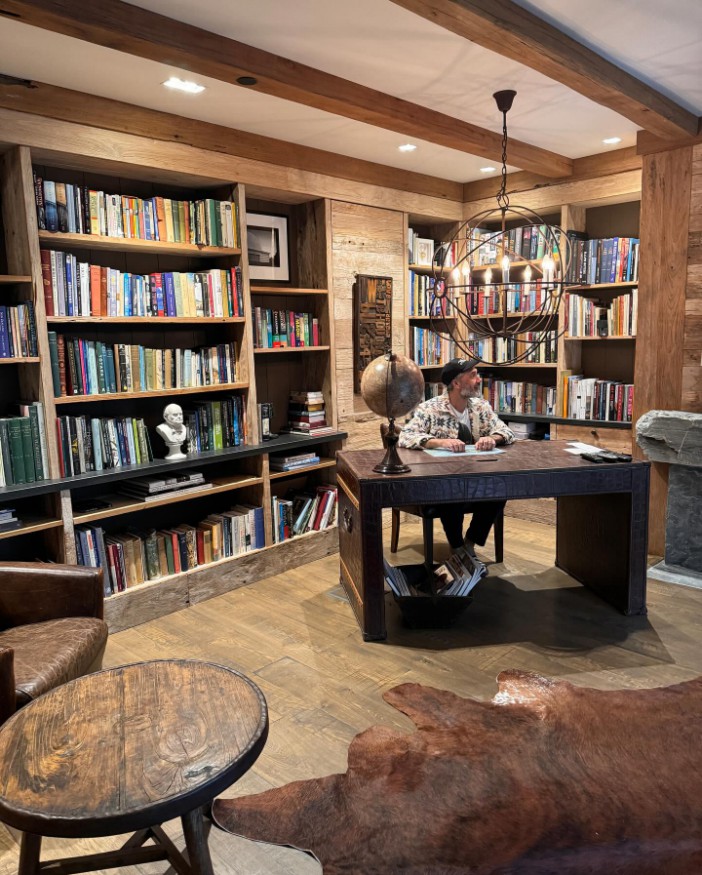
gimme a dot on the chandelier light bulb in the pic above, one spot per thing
(548, 268)
(505, 268)
(488, 277)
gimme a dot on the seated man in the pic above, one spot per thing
(458, 417)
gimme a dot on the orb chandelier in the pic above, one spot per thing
(495, 302)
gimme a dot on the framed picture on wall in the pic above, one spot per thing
(268, 247)
(423, 251)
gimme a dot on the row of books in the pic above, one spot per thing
(90, 367)
(98, 443)
(497, 349)
(590, 398)
(78, 288)
(427, 296)
(458, 576)
(305, 512)
(216, 425)
(430, 348)
(527, 242)
(77, 209)
(276, 328)
(133, 557)
(513, 396)
(18, 331)
(588, 318)
(607, 260)
(520, 298)
(24, 456)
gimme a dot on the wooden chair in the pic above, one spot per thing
(51, 628)
(428, 514)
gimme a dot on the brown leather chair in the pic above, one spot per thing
(428, 514)
(51, 628)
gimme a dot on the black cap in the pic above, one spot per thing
(455, 367)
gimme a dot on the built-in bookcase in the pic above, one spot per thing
(156, 310)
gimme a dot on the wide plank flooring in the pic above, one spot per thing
(296, 636)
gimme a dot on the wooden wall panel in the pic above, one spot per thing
(365, 240)
(665, 230)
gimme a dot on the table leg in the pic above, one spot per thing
(195, 832)
(30, 848)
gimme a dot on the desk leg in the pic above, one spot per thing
(373, 575)
(30, 848)
(195, 834)
(601, 541)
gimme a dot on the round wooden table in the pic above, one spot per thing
(124, 750)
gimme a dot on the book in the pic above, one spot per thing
(156, 496)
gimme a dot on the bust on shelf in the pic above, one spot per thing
(173, 432)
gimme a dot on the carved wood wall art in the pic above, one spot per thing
(546, 778)
(372, 322)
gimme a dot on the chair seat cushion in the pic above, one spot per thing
(51, 653)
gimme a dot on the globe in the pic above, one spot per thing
(391, 386)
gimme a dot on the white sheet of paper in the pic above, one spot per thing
(469, 451)
(576, 447)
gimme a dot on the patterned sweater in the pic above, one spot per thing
(434, 419)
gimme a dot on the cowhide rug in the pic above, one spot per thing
(545, 778)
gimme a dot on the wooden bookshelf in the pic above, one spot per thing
(283, 349)
(238, 474)
(20, 360)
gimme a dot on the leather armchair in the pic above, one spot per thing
(51, 628)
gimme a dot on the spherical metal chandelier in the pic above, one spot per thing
(500, 280)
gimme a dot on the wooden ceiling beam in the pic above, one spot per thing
(146, 34)
(514, 32)
(648, 144)
(113, 115)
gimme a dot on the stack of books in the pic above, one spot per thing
(8, 520)
(154, 488)
(290, 463)
(307, 414)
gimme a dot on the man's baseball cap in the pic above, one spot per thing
(455, 367)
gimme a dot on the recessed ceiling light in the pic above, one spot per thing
(407, 147)
(487, 169)
(612, 141)
(247, 80)
(183, 85)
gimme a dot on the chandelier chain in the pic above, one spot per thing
(502, 196)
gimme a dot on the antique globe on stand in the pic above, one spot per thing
(392, 385)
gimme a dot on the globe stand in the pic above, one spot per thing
(392, 463)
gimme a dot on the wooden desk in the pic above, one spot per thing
(127, 749)
(602, 518)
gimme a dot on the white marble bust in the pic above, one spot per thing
(173, 432)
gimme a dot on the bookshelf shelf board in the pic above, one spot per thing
(430, 269)
(596, 287)
(283, 443)
(560, 420)
(20, 360)
(30, 525)
(303, 469)
(606, 337)
(132, 244)
(142, 320)
(430, 367)
(515, 315)
(159, 393)
(534, 262)
(521, 365)
(280, 290)
(8, 279)
(121, 504)
(433, 318)
(279, 349)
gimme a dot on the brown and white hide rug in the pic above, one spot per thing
(546, 778)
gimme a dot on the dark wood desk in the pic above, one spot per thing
(127, 749)
(602, 520)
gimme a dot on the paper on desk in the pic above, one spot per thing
(469, 451)
(576, 447)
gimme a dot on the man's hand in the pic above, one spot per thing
(485, 443)
(452, 444)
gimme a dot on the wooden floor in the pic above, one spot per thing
(296, 636)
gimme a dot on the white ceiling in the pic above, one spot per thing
(380, 45)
